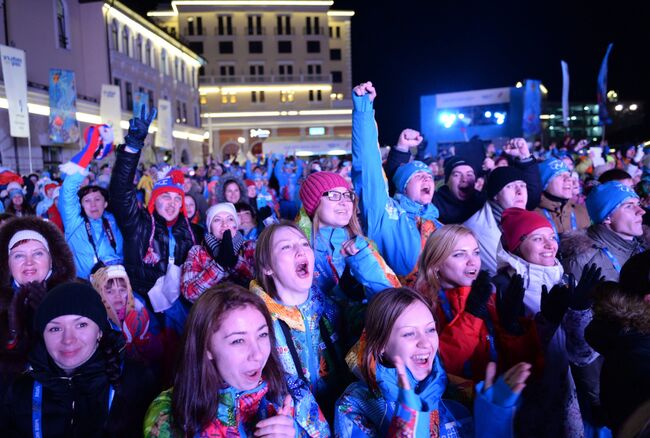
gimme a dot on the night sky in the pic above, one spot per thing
(408, 48)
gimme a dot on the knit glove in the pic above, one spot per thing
(581, 294)
(136, 327)
(555, 303)
(510, 303)
(138, 129)
(226, 257)
(479, 295)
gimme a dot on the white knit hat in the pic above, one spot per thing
(27, 235)
(223, 207)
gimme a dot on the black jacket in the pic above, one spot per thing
(77, 405)
(135, 224)
(620, 332)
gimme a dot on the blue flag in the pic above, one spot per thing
(601, 91)
(531, 124)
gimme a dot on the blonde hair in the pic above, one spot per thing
(353, 227)
(438, 247)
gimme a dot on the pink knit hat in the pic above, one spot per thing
(315, 185)
(518, 223)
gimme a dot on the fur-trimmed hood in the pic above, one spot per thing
(224, 181)
(579, 243)
(63, 268)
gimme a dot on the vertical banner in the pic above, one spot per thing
(531, 124)
(63, 107)
(15, 79)
(110, 110)
(164, 137)
(140, 100)
(601, 90)
(565, 94)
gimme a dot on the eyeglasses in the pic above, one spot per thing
(333, 195)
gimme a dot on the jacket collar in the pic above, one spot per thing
(412, 208)
(604, 236)
(429, 390)
(292, 315)
(552, 203)
(240, 406)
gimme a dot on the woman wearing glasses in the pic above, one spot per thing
(347, 267)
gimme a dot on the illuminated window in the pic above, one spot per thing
(228, 98)
(286, 96)
(203, 100)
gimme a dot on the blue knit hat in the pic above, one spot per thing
(406, 171)
(605, 198)
(551, 168)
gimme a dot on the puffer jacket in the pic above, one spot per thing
(324, 370)
(560, 213)
(468, 343)
(13, 353)
(78, 405)
(75, 230)
(583, 247)
(240, 411)
(135, 224)
(381, 408)
(398, 225)
(620, 332)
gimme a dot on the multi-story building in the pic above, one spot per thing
(279, 72)
(103, 42)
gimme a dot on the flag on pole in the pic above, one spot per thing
(532, 107)
(601, 91)
(565, 93)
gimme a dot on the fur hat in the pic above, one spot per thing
(315, 185)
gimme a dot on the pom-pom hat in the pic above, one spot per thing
(172, 182)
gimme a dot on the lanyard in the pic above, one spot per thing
(449, 314)
(109, 234)
(172, 246)
(611, 258)
(574, 222)
(37, 402)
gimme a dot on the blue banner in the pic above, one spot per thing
(63, 126)
(531, 124)
(601, 91)
(140, 100)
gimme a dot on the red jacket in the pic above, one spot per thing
(465, 338)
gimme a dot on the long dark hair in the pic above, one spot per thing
(197, 382)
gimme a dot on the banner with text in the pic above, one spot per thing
(64, 127)
(164, 138)
(110, 110)
(15, 78)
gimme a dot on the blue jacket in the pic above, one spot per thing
(287, 181)
(75, 229)
(398, 225)
(366, 266)
(387, 410)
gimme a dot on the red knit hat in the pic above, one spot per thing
(172, 182)
(518, 223)
(315, 185)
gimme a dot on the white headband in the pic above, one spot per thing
(27, 235)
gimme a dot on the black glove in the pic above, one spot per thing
(581, 294)
(351, 286)
(479, 295)
(510, 304)
(555, 303)
(138, 129)
(226, 257)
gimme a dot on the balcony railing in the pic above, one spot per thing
(313, 30)
(284, 31)
(224, 31)
(255, 30)
(268, 79)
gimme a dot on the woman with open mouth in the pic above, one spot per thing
(310, 336)
(349, 269)
(230, 381)
(402, 380)
(472, 325)
(560, 308)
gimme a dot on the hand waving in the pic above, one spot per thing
(139, 128)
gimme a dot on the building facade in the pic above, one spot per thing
(103, 42)
(278, 73)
